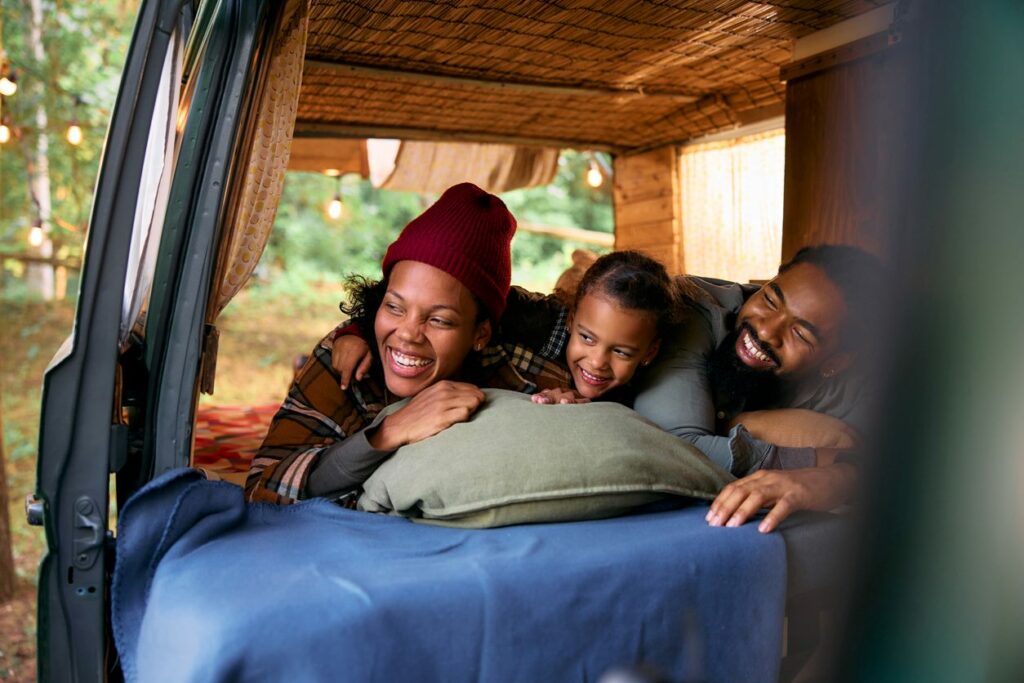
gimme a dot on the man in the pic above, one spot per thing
(760, 379)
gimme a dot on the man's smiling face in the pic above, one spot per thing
(790, 327)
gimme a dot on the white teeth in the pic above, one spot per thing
(748, 342)
(591, 378)
(409, 361)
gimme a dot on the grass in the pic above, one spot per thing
(261, 332)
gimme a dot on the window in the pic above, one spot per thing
(731, 192)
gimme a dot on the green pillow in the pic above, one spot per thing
(516, 461)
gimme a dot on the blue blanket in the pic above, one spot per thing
(208, 588)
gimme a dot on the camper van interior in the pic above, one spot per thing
(219, 100)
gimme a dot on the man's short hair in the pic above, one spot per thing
(861, 279)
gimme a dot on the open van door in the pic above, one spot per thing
(123, 381)
(78, 439)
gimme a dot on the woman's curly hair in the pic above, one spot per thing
(365, 296)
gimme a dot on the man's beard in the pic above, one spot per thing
(739, 387)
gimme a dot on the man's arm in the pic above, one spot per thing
(798, 428)
(675, 394)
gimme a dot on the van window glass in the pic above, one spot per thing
(153, 192)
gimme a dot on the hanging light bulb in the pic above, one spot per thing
(594, 175)
(35, 235)
(9, 83)
(335, 208)
(74, 133)
(5, 132)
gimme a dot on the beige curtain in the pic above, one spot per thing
(255, 204)
(436, 166)
(731, 193)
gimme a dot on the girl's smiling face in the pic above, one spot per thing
(607, 343)
(425, 327)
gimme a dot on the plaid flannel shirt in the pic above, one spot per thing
(526, 354)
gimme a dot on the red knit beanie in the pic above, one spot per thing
(467, 233)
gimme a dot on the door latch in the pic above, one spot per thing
(88, 534)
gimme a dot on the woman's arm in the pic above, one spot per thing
(315, 418)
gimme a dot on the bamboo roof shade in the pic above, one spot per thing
(621, 75)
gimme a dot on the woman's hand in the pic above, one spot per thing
(551, 396)
(350, 358)
(433, 410)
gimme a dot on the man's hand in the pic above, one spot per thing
(433, 410)
(350, 358)
(784, 491)
(551, 396)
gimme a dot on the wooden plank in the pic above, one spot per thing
(632, 235)
(600, 239)
(644, 174)
(859, 49)
(659, 208)
(846, 153)
(679, 95)
(666, 254)
(650, 191)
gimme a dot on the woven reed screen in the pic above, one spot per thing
(650, 73)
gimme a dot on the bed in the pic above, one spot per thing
(208, 588)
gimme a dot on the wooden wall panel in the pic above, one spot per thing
(846, 132)
(647, 206)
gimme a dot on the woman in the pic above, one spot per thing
(445, 280)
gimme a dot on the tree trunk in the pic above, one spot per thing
(6, 550)
(40, 276)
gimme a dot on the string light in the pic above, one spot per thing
(9, 82)
(335, 208)
(594, 175)
(35, 235)
(5, 124)
(74, 133)
(8, 76)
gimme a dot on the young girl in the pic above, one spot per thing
(623, 306)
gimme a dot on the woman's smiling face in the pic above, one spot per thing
(425, 327)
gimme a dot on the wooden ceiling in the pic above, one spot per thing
(622, 75)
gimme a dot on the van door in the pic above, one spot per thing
(154, 224)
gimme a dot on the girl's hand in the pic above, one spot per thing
(563, 396)
(350, 357)
(433, 410)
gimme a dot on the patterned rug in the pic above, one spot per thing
(227, 437)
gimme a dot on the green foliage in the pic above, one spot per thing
(84, 46)
(305, 240)
(306, 247)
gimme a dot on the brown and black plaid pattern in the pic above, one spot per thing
(317, 413)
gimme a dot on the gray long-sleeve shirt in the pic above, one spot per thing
(676, 393)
